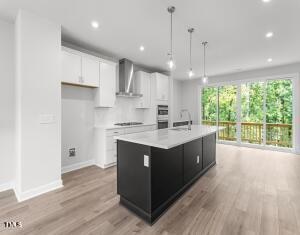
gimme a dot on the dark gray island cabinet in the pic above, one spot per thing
(155, 168)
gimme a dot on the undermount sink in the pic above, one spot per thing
(180, 129)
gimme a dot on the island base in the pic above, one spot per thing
(150, 180)
(154, 216)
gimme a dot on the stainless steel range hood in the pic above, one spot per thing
(126, 79)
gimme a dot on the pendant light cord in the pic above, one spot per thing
(190, 49)
(171, 52)
(204, 58)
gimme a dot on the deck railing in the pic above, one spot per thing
(251, 132)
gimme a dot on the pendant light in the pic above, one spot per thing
(171, 62)
(204, 78)
(191, 73)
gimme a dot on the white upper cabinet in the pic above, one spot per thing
(143, 86)
(71, 68)
(79, 68)
(90, 71)
(162, 86)
(106, 93)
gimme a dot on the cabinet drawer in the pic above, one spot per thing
(114, 132)
(134, 129)
(150, 128)
(111, 143)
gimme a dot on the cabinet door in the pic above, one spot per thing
(71, 68)
(146, 88)
(162, 87)
(209, 150)
(192, 159)
(111, 157)
(106, 93)
(90, 71)
(143, 86)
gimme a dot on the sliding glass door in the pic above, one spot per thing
(279, 113)
(258, 112)
(227, 115)
(252, 112)
(209, 106)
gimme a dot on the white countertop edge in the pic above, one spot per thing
(123, 138)
(110, 127)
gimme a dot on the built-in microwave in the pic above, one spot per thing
(162, 116)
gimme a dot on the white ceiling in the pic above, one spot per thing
(235, 30)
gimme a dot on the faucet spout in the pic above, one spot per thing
(189, 115)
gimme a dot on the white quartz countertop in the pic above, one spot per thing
(169, 138)
(112, 126)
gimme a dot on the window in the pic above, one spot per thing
(258, 112)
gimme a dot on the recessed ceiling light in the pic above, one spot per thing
(266, 0)
(95, 24)
(142, 48)
(269, 34)
(270, 60)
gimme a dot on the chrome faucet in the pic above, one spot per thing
(190, 119)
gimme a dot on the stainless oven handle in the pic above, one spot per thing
(161, 121)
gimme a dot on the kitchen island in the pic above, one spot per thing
(155, 168)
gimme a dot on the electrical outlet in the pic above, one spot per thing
(146, 161)
(72, 152)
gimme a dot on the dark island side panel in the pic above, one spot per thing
(192, 162)
(132, 176)
(209, 150)
(166, 174)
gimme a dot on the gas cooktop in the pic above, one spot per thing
(128, 123)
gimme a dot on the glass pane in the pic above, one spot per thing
(252, 112)
(209, 106)
(227, 112)
(279, 113)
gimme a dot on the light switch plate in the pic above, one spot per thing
(146, 161)
(46, 118)
(198, 159)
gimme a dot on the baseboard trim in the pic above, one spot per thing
(77, 166)
(22, 196)
(6, 186)
(106, 166)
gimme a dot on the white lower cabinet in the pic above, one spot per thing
(105, 146)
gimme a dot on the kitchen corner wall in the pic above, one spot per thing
(176, 100)
(7, 104)
(79, 117)
(38, 105)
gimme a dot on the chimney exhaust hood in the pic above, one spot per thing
(126, 79)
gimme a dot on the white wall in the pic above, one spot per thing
(177, 101)
(77, 124)
(38, 92)
(7, 105)
(123, 111)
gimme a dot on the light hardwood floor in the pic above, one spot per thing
(249, 192)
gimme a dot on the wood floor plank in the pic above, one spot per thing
(249, 192)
